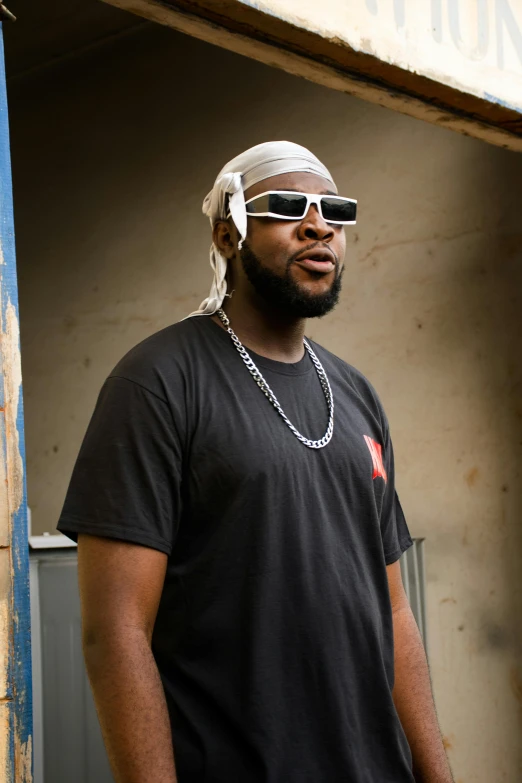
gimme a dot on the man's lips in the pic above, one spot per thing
(318, 261)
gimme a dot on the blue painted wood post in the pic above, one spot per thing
(15, 632)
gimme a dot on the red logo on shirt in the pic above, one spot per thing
(376, 452)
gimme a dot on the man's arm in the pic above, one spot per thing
(412, 692)
(120, 589)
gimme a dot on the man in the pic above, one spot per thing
(238, 542)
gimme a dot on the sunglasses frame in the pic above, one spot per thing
(311, 198)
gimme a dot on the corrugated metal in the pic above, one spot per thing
(73, 750)
(413, 577)
(37, 674)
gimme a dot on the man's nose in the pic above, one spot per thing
(313, 226)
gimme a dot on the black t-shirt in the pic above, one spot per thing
(274, 633)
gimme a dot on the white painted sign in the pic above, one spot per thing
(471, 45)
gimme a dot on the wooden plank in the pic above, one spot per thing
(15, 642)
(288, 41)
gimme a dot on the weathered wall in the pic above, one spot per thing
(113, 154)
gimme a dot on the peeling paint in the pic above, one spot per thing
(23, 756)
(5, 537)
(12, 384)
(5, 710)
(501, 102)
(5, 589)
(15, 640)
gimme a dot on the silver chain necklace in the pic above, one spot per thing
(267, 391)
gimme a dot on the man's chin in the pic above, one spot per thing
(313, 305)
(297, 301)
(286, 293)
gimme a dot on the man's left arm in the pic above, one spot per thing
(412, 692)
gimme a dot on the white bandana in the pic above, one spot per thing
(252, 166)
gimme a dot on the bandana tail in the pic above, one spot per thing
(229, 184)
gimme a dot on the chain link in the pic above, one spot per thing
(269, 394)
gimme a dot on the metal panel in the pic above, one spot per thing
(15, 641)
(73, 746)
(37, 673)
(413, 577)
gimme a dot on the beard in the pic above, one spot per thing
(283, 293)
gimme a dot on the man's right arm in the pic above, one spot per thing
(120, 590)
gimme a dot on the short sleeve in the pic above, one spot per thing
(126, 483)
(395, 535)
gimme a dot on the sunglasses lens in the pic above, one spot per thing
(337, 210)
(258, 205)
(285, 204)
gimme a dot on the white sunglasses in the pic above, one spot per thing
(290, 205)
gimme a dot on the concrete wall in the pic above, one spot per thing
(113, 153)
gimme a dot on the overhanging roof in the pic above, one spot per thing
(455, 64)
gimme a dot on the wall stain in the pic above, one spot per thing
(471, 476)
(448, 600)
(69, 323)
(515, 681)
(447, 741)
(378, 246)
(495, 637)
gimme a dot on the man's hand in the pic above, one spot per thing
(412, 692)
(120, 589)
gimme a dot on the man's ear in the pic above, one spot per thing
(225, 237)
